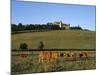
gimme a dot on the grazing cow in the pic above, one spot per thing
(62, 54)
(71, 54)
(21, 59)
(24, 55)
(83, 55)
(54, 55)
(44, 55)
(47, 55)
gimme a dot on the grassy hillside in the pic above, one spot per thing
(56, 39)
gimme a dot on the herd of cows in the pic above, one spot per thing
(54, 55)
(46, 61)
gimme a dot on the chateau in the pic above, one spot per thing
(62, 25)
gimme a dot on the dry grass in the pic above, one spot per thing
(56, 39)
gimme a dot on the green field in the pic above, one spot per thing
(59, 39)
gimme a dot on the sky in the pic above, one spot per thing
(42, 13)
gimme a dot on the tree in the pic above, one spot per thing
(76, 28)
(20, 24)
(23, 46)
(41, 45)
(13, 27)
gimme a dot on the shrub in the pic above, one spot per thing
(23, 46)
(41, 45)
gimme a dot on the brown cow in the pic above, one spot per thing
(44, 55)
(83, 55)
(47, 55)
(54, 55)
(62, 54)
(71, 54)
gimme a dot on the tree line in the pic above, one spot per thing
(21, 27)
(76, 28)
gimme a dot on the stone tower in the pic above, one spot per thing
(60, 24)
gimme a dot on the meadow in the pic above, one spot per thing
(58, 39)
(30, 64)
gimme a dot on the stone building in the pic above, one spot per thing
(62, 25)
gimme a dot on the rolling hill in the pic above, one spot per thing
(60, 39)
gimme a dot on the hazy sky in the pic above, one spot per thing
(41, 13)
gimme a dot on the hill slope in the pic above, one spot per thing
(56, 39)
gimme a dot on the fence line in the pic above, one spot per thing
(21, 50)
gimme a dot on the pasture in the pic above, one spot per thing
(28, 62)
(31, 61)
(58, 39)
